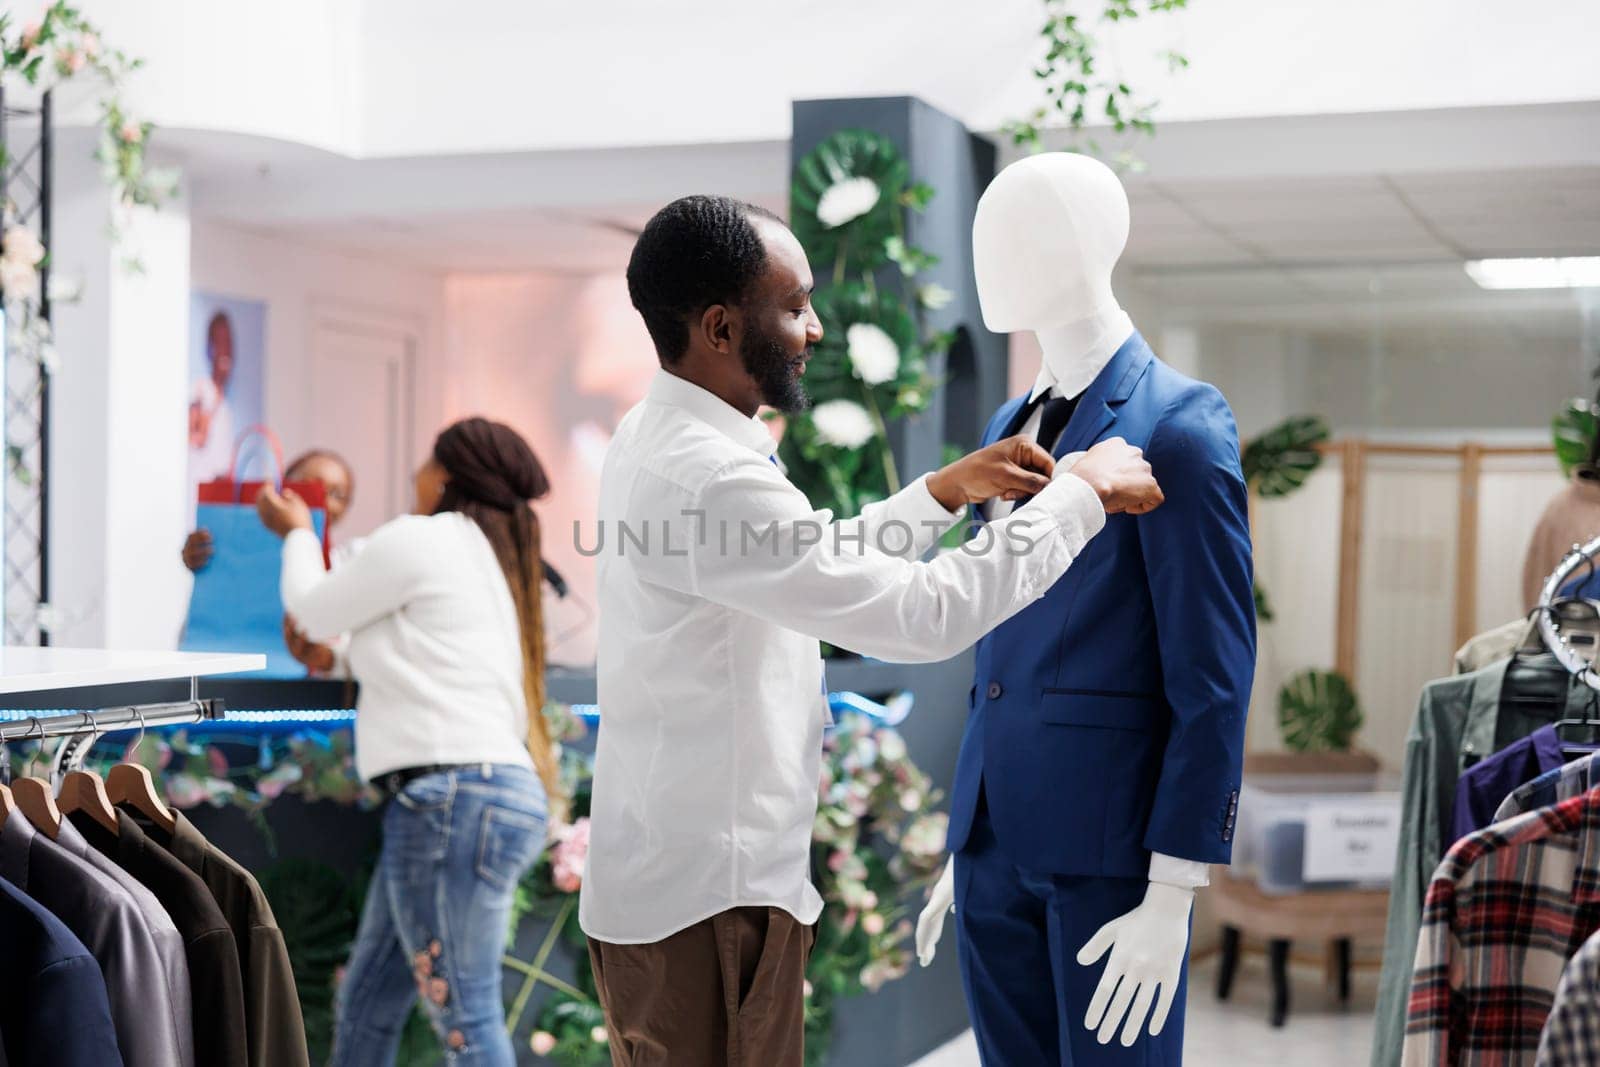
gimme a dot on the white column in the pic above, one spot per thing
(118, 478)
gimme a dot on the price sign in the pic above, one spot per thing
(1351, 841)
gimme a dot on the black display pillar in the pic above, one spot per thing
(958, 164)
(923, 1010)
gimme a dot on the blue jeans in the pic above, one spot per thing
(436, 919)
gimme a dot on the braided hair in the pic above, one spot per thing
(695, 252)
(493, 477)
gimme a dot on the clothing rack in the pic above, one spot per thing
(107, 720)
(1576, 663)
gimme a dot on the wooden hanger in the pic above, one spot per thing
(35, 801)
(85, 791)
(38, 804)
(131, 784)
(8, 803)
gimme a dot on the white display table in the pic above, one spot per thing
(27, 670)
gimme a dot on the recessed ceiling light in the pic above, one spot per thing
(1571, 272)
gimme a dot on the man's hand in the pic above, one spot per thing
(282, 512)
(1120, 477)
(198, 550)
(318, 659)
(1009, 469)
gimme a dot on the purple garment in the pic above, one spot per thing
(1484, 785)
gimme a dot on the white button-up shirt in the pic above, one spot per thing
(716, 580)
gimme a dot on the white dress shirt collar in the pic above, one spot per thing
(668, 388)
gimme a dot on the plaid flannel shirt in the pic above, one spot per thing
(1506, 910)
(1572, 1033)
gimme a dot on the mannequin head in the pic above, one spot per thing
(1048, 231)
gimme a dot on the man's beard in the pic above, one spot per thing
(777, 373)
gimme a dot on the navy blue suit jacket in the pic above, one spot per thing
(53, 1004)
(1107, 719)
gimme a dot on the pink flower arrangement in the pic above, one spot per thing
(568, 857)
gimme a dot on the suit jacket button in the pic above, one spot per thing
(995, 690)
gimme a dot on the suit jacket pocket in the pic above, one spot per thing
(1099, 709)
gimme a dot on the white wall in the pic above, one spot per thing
(118, 467)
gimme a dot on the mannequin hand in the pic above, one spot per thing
(930, 924)
(1009, 469)
(282, 512)
(1147, 948)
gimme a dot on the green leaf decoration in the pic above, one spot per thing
(830, 376)
(1280, 460)
(1263, 604)
(857, 245)
(318, 914)
(1318, 712)
(1573, 431)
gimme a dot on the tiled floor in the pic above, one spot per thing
(1235, 1034)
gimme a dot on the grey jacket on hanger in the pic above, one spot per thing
(109, 922)
(169, 943)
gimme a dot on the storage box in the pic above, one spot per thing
(1325, 831)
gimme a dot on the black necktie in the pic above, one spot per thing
(1057, 413)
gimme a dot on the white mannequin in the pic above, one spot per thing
(1048, 232)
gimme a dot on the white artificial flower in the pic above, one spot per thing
(873, 353)
(65, 288)
(18, 278)
(843, 424)
(846, 201)
(22, 244)
(891, 746)
(934, 296)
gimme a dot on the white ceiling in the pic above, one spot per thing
(1369, 218)
(1268, 204)
(1291, 227)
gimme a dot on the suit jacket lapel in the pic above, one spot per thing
(1097, 411)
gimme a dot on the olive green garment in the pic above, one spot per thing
(1459, 721)
(275, 1030)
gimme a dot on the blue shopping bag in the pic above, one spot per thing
(236, 605)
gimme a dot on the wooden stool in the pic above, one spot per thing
(1337, 916)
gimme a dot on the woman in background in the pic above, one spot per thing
(446, 639)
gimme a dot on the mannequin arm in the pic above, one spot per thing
(930, 924)
(1147, 947)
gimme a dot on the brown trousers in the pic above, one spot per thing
(725, 992)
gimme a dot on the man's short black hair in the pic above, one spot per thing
(696, 252)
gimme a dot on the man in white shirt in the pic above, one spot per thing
(210, 412)
(716, 581)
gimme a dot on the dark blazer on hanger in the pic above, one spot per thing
(216, 986)
(109, 922)
(53, 1006)
(1107, 719)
